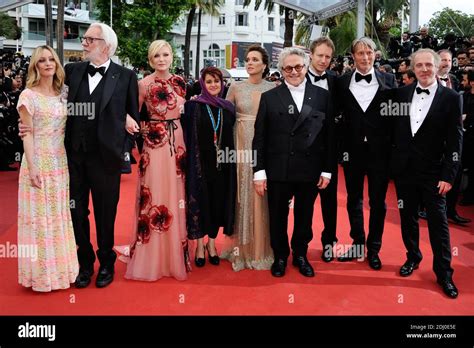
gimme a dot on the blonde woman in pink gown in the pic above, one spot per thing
(44, 218)
(249, 246)
(160, 244)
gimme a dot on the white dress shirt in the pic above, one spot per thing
(94, 80)
(362, 91)
(297, 93)
(420, 105)
(321, 83)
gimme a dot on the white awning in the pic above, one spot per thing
(7, 5)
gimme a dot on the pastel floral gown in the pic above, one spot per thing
(44, 217)
(160, 246)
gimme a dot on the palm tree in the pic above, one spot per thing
(60, 30)
(204, 6)
(48, 27)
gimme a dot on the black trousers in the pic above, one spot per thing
(88, 175)
(453, 194)
(328, 198)
(279, 196)
(355, 171)
(409, 190)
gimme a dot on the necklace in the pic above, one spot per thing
(215, 127)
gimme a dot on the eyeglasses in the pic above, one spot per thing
(288, 69)
(89, 39)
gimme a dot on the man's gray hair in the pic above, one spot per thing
(288, 51)
(363, 41)
(436, 57)
(109, 36)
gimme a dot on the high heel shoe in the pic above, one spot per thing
(214, 260)
(200, 262)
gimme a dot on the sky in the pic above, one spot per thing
(429, 7)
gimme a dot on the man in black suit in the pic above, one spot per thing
(425, 158)
(97, 145)
(365, 149)
(292, 140)
(446, 79)
(322, 50)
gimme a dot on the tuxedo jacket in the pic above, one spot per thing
(119, 98)
(358, 125)
(294, 146)
(435, 150)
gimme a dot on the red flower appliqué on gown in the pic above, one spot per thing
(160, 218)
(145, 197)
(180, 161)
(161, 97)
(157, 135)
(179, 85)
(143, 230)
(144, 162)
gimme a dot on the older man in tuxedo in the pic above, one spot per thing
(97, 145)
(365, 149)
(292, 140)
(425, 158)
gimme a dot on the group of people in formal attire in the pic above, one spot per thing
(186, 191)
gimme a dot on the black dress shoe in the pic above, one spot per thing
(352, 253)
(105, 277)
(278, 268)
(408, 268)
(449, 288)
(303, 264)
(213, 260)
(327, 254)
(83, 278)
(200, 261)
(375, 262)
(458, 219)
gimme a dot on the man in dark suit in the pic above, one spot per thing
(292, 141)
(361, 95)
(446, 79)
(97, 145)
(322, 50)
(425, 158)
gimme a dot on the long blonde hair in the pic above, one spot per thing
(33, 72)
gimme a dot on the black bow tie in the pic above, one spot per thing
(421, 90)
(317, 77)
(367, 78)
(445, 79)
(92, 70)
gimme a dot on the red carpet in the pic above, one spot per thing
(337, 289)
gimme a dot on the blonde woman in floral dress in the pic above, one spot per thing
(44, 218)
(160, 246)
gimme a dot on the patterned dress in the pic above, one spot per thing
(160, 246)
(45, 229)
(249, 247)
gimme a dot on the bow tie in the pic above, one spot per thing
(367, 78)
(445, 79)
(92, 70)
(317, 77)
(421, 90)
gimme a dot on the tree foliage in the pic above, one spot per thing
(451, 21)
(140, 23)
(8, 27)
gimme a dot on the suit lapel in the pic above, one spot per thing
(75, 81)
(111, 79)
(408, 97)
(287, 100)
(307, 105)
(429, 115)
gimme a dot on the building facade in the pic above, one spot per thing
(225, 38)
